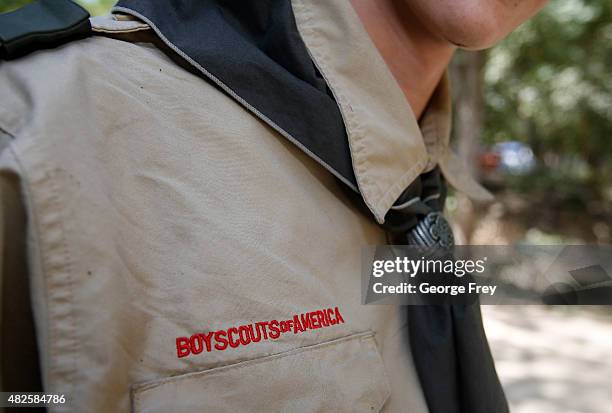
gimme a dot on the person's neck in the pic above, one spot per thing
(415, 56)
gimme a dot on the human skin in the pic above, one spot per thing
(417, 38)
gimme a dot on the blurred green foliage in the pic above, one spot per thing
(549, 85)
(97, 7)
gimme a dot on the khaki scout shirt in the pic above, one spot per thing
(182, 255)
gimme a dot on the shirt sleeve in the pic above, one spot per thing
(19, 366)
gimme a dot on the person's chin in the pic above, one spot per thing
(472, 35)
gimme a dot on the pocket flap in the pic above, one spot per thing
(343, 375)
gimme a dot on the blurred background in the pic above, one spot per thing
(533, 121)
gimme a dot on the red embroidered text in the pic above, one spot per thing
(252, 333)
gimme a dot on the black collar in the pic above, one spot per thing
(253, 51)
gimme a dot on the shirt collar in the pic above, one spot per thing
(389, 149)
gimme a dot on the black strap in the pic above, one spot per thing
(40, 25)
(453, 360)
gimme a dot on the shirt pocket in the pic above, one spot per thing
(342, 375)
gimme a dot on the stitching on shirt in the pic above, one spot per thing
(51, 350)
(356, 144)
(140, 388)
(36, 234)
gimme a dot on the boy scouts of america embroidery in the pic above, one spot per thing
(252, 333)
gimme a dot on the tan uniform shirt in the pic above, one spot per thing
(182, 255)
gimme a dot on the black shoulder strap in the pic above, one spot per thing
(40, 25)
